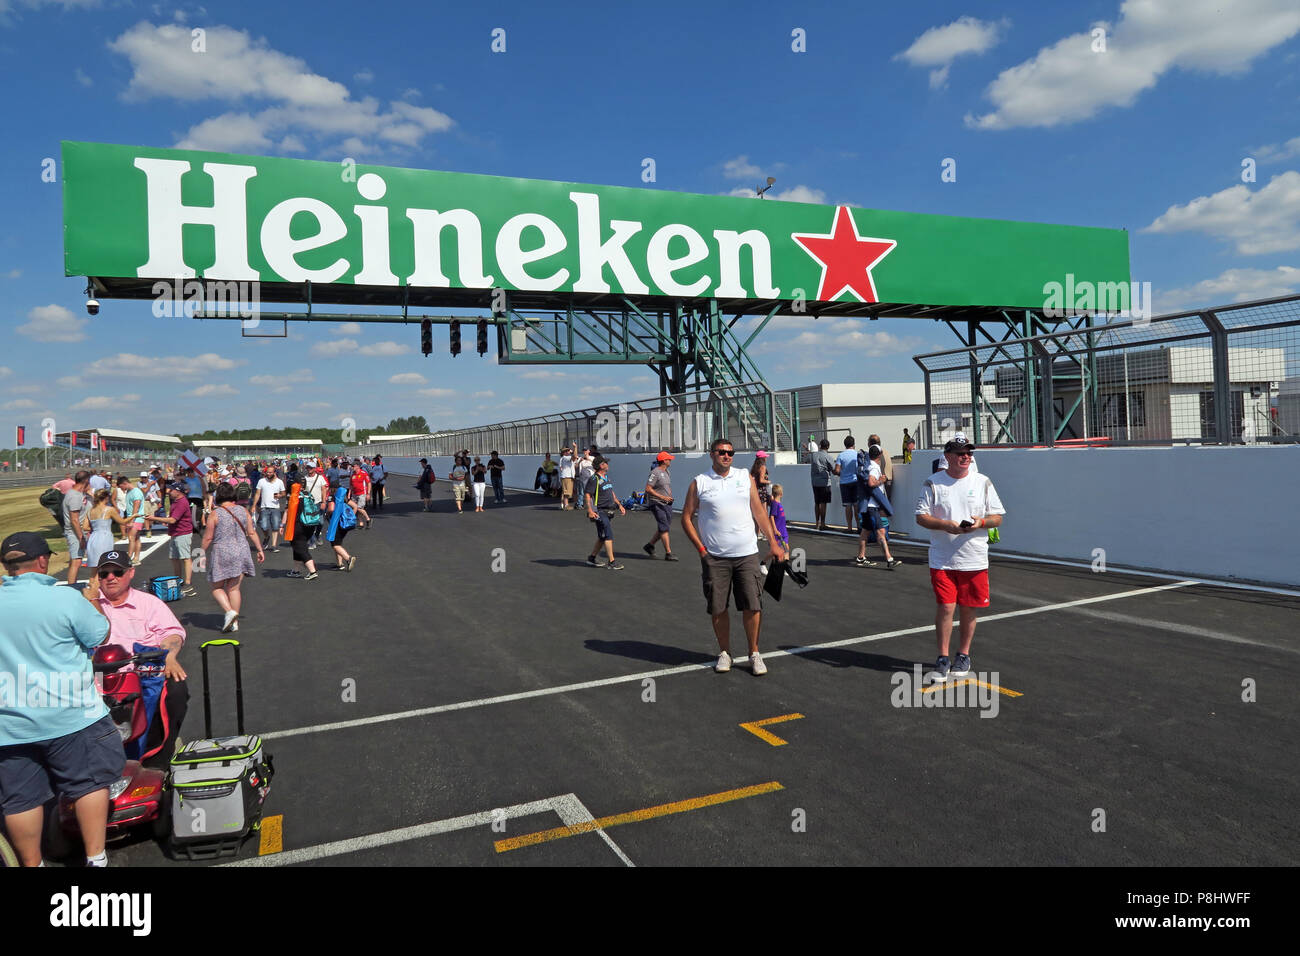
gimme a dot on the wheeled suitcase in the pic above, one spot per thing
(218, 784)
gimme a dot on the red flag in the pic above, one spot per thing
(72, 439)
(22, 436)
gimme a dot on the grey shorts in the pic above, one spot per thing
(76, 764)
(75, 551)
(722, 576)
(179, 546)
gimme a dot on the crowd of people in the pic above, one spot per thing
(242, 510)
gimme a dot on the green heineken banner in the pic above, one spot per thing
(132, 213)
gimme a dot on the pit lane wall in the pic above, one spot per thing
(1230, 513)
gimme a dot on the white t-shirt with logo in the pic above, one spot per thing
(725, 519)
(266, 491)
(956, 499)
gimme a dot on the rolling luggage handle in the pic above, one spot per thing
(239, 687)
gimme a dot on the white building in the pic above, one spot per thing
(885, 409)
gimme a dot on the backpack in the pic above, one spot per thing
(308, 511)
(52, 499)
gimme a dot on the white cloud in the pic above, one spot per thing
(1274, 152)
(741, 168)
(18, 404)
(411, 93)
(53, 323)
(213, 391)
(238, 68)
(408, 378)
(14, 274)
(93, 402)
(793, 194)
(1234, 285)
(337, 347)
(1068, 82)
(545, 373)
(82, 77)
(5, 371)
(1264, 221)
(484, 395)
(346, 328)
(831, 337)
(159, 366)
(306, 406)
(9, 6)
(939, 46)
(385, 349)
(364, 76)
(437, 392)
(601, 389)
(302, 376)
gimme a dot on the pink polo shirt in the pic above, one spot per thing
(140, 619)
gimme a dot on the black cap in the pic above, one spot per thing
(119, 558)
(179, 486)
(23, 546)
(958, 444)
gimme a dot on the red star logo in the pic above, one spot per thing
(846, 258)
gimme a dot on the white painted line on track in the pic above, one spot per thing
(687, 668)
(568, 807)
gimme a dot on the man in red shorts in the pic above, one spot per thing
(956, 506)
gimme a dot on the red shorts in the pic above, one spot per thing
(967, 588)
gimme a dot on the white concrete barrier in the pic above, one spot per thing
(1216, 512)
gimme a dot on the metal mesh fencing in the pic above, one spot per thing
(750, 414)
(1225, 375)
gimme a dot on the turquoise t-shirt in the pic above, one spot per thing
(47, 685)
(134, 503)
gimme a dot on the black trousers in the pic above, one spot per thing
(377, 496)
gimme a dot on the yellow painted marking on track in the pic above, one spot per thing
(635, 816)
(971, 680)
(272, 835)
(755, 727)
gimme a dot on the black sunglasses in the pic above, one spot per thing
(115, 572)
(729, 452)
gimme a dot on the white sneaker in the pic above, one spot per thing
(230, 619)
(756, 664)
(724, 663)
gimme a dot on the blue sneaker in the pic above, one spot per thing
(940, 672)
(961, 666)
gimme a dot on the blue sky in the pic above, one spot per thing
(1148, 135)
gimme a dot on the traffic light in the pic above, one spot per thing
(454, 328)
(426, 337)
(482, 336)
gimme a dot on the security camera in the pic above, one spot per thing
(92, 306)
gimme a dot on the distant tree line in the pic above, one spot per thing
(412, 425)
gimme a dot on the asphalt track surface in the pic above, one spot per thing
(1130, 704)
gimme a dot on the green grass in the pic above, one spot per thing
(21, 511)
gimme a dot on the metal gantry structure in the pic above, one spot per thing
(1228, 374)
(694, 346)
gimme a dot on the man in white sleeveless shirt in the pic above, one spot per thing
(726, 503)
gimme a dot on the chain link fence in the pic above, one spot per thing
(1227, 375)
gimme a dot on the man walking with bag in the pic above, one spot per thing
(728, 508)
